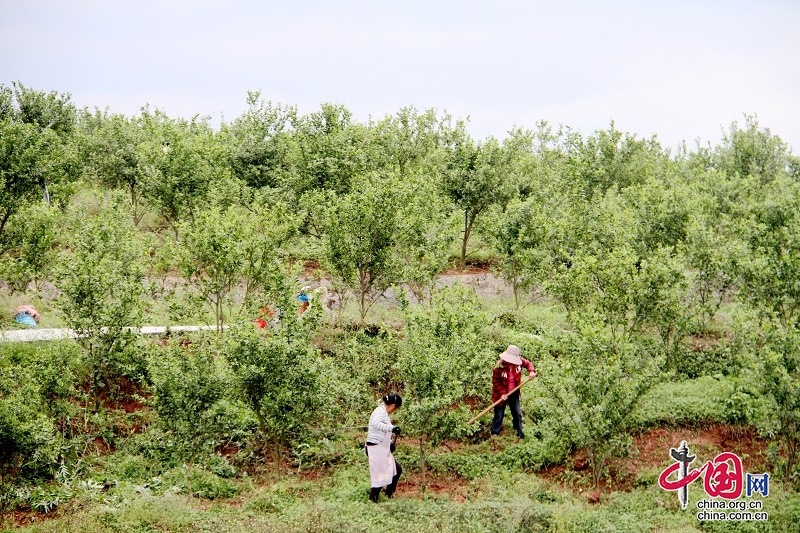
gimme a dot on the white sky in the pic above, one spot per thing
(683, 70)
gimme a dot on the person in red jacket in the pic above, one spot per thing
(507, 374)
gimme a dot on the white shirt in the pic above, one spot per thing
(379, 425)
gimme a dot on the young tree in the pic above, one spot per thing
(475, 177)
(227, 248)
(360, 237)
(48, 111)
(595, 382)
(276, 373)
(187, 383)
(524, 237)
(443, 359)
(110, 147)
(426, 232)
(750, 152)
(101, 278)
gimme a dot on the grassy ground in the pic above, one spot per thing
(500, 501)
(472, 486)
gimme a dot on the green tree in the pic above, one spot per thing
(179, 162)
(276, 373)
(32, 249)
(360, 237)
(443, 359)
(110, 147)
(475, 177)
(770, 284)
(101, 278)
(595, 382)
(408, 145)
(752, 152)
(262, 143)
(713, 252)
(523, 236)
(186, 384)
(626, 294)
(48, 111)
(29, 159)
(227, 248)
(426, 233)
(331, 150)
(36, 131)
(612, 159)
(771, 271)
(410, 142)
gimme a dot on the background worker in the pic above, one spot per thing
(384, 470)
(507, 374)
(27, 315)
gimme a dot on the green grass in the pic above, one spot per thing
(337, 502)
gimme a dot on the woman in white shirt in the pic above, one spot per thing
(384, 470)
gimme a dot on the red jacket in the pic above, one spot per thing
(501, 377)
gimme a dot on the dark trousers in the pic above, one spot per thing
(516, 415)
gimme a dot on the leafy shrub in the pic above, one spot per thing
(133, 468)
(537, 453)
(706, 361)
(276, 374)
(218, 465)
(442, 359)
(205, 484)
(101, 282)
(594, 386)
(26, 433)
(689, 402)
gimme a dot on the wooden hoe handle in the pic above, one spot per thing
(498, 402)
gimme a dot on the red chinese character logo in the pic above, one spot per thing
(718, 482)
(723, 476)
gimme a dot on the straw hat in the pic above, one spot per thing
(511, 355)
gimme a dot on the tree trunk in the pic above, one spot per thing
(791, 456)
(6, 216)
(189, 479)
(422, 463)
(363, 287)
(218, 312)
(468, 223)
(276, 454)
